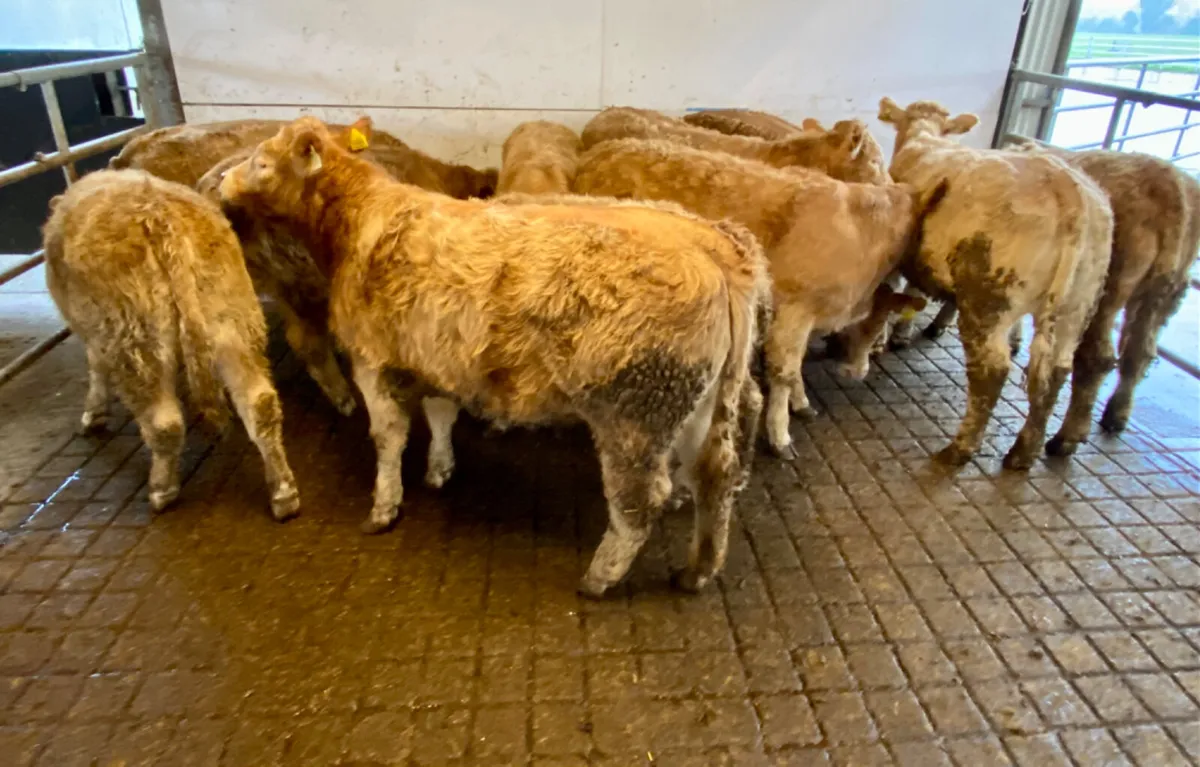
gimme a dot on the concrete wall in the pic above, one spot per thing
(454, 77)
(72, 25)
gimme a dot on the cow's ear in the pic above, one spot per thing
(961, 123)
(307, 147)
(360, 134)
(811, 123)
(889, 111)
(852, 136)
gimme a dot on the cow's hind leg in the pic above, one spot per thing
(143, 375)
(987, 357)
(162, 427)
(1050, 353)
(389, 428)
(635, 468)
(1094, 360)
(159, 416)
(1139, 345)
(440, 414)
(95, 404)
(245, 374)
(314, 346)
(720, 447)
(786, 346)
(941, 320)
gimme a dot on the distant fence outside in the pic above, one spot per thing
(1087, 46)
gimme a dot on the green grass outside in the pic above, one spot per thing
(1118, 46)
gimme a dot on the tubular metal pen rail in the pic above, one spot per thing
(1117, 132)
(65, 156)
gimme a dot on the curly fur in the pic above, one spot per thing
(150, 276)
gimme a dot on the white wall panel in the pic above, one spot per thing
(829, 59)
(468, 136)
(454, 77)
(452, 54)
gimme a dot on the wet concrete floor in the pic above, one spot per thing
(873, 611)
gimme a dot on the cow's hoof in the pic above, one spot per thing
(785, 451)
(1112, 422)
(438, 474)
(952, 455)
(592, 588)
(1060, 447)
(285, 504)
(933, 332)
(373, 525)
(161, 499)
(806, 413)
(687, 579)
(93, 423)
(1018, 459)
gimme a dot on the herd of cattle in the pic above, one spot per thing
(629, 277)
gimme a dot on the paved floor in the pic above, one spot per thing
(873, 611)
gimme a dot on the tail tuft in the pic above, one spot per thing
(206, 393)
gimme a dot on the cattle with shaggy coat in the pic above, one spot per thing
(1156, 212)
(539, 157)
(1016, 234)
(830, 245)
(638, 321)
(149, 275)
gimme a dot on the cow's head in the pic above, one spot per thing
(849, 151)
(923, 118)
(278, 172)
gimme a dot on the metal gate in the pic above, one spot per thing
(65, 156)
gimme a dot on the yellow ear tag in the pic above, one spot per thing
(358, 141)
(908, 313)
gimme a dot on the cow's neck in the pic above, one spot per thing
(912, 144)
(341, 197)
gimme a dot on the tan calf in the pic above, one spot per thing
(150, 276)
(848, 152)
(638, 321)
(743, 122)
(283, 269)
(281, 266)
(184, 153)
(1156, 210)
(539, 158)
(830, 244)
(1016, 234)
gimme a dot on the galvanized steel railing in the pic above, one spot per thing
(65, 156)
(1121, 97)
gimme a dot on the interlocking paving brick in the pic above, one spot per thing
(872, 611)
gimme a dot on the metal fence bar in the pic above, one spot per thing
(23, 78)
(1182, 128)
(78, 152)
(59, 129)
(1138, 60)
(1105, 89)
(31, 356)
(1179, 362)
(64, 157)
(8, 275)
(1113, 122)
(1084, 107)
